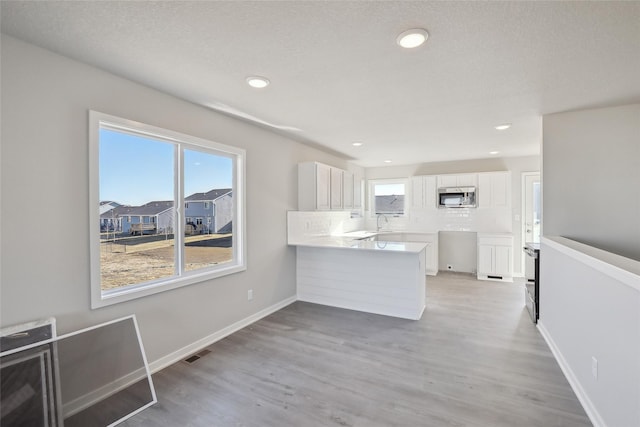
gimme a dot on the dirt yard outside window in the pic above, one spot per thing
(123, 265)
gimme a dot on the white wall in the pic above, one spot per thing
(585, 313)
(516, 165)
(591, 177)
(44, 175)
(590, 193)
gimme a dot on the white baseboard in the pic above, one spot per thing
(188, 350)
(588, 406)
(87, 400)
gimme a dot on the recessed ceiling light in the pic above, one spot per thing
(357, 144)
(387, 161)
(412, 38)
(503, 126)
(494, 152)
(257, 82)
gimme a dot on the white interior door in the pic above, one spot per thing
(532, 212)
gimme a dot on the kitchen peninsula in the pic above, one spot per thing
(372, 276)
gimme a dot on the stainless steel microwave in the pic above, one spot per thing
(457, 197)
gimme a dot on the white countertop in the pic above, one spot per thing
(351, 241)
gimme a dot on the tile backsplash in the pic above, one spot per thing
(303, 224)
(497, 220)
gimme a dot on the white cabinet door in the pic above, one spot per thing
(323, 187)
(463, 180)
(347, 189)
(494, 190)
(502, 261)
(417, 192)
(447, 181)
(357, 192)
(483, 196)
(501, 189)
(467, 180)
(430, 193)
(495, 257)
(485, 259)
(424, 192)
(336, 189)
(431, 258)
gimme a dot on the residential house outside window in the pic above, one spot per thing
(387, 197)
(148, 174)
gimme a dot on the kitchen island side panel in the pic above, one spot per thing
(387, 283)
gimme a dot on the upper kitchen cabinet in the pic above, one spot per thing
(336, 189)
(347, 190)
(322, 187)
(358, 191)
(423, 192)
(314, 187)
(494, 190)
(462, 180)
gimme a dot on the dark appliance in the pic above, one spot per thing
(532, 284)
(457, 197)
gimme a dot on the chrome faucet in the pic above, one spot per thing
(386, 220)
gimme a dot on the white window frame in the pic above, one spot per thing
(100, 298)
(372, 198)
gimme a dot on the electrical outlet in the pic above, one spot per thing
(594, 367)
(250, 294)
(449, 267)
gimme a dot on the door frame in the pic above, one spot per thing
(523, 202)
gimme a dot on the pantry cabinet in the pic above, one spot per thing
(495, 257)
(494, 190)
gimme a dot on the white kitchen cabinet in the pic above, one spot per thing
(494, 190)
(417, 192)
(431, 251)
(322, 187)
(358, 184)
(461, 180)
(431, 254)
(430, 195)
(495, 257)
(348, 190)
(336, 200)
(314, 187)
(423, 192)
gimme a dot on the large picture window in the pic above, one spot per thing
(151, 188)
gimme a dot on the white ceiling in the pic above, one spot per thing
(338, 76)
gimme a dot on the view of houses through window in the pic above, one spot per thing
(388, 198)
(142, 238)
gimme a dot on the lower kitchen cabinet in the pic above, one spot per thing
(495, 257)
(431, 251)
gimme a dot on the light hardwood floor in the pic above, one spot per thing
(474, 359)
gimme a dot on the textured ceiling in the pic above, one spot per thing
(337, 75)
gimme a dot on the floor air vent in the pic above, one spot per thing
(197, 356)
